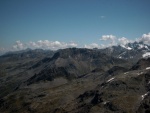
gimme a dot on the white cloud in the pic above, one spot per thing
(145, 38)
(2, 50)
(110, 38)
(102, 17)
(54, 44)
(33, 45)
(94, 45)
(43, 44)
(123, 41)
(18, 45)
(72, 44)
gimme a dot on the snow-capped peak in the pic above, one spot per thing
(138, 45)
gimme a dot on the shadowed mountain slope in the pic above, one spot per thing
(73, 62)
(142, 64)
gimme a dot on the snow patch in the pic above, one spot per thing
(122, 53)
(126, 73)
(140, 73)
(110, 79)
(147, 68)
(120, 57)
(105, 102)
(146, 47)
(143, 96)
(129, 48)
(140, 46)
(146, 55)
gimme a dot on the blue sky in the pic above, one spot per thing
(72, 21)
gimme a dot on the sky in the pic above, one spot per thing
(55, 24)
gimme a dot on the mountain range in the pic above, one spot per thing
(76, 80)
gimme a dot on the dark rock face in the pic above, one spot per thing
(141, 64)
(89, 94)
(49, 75)
(26, 54)
(72, 63)
(145, 105)
(98, 70)
(116, 70)
(97, 99)
(111, 107)
(118, 85)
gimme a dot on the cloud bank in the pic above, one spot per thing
(54, 45)
(123, 41)
(43, 44)
(18, 45)
(145, 38)
(113, 40)
(110, 38)
(105, 41)
(93, 45)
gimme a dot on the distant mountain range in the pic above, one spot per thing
(76, 80)
(129, 51)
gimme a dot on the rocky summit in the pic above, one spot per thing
(76, 80)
